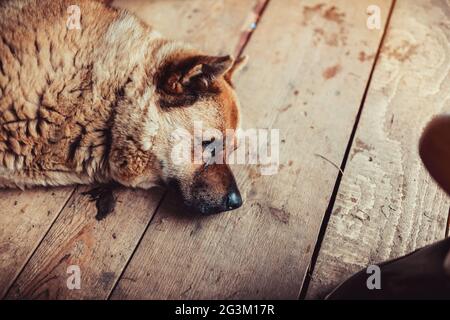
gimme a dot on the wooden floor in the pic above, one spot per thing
(350, 103)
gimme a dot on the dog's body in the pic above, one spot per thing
(99, 104)
(58, 84)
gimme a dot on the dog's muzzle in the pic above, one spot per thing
(232, 201)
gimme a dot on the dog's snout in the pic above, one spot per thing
(214, 191)
(231, 201)
(234, 200)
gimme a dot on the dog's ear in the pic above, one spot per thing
(194, 74)
(238, 65)
(434, 150)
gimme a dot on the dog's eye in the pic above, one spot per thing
(209, 144)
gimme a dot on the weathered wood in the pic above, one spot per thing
(214, 26)
(102, 249)
(306, 77)
(99, 248)
(387, 204)
(25, 217)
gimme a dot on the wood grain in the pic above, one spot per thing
(387, 204)
(306, 78)
(213, 26)
(25, 217)
(102, 249)
(99, 248)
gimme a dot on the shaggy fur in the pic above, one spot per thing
(99, 104)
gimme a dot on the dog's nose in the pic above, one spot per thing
(234, 200)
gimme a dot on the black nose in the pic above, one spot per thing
(234, 200)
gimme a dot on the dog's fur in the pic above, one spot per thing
(98, 105)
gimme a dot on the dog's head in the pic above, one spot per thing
(197, 108)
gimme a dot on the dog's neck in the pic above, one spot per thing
(126, 74)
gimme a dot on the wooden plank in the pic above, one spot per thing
(102, 249)
(387, 205)
(212, 26)
(305, 78)
(25, 217)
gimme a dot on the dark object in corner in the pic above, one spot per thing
(422, 274)
(104, 198)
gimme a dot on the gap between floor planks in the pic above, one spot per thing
(329, 210)
(326, 253)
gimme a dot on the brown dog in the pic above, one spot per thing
(98, 102)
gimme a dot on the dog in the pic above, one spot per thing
(424, 273)
(97, 102)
